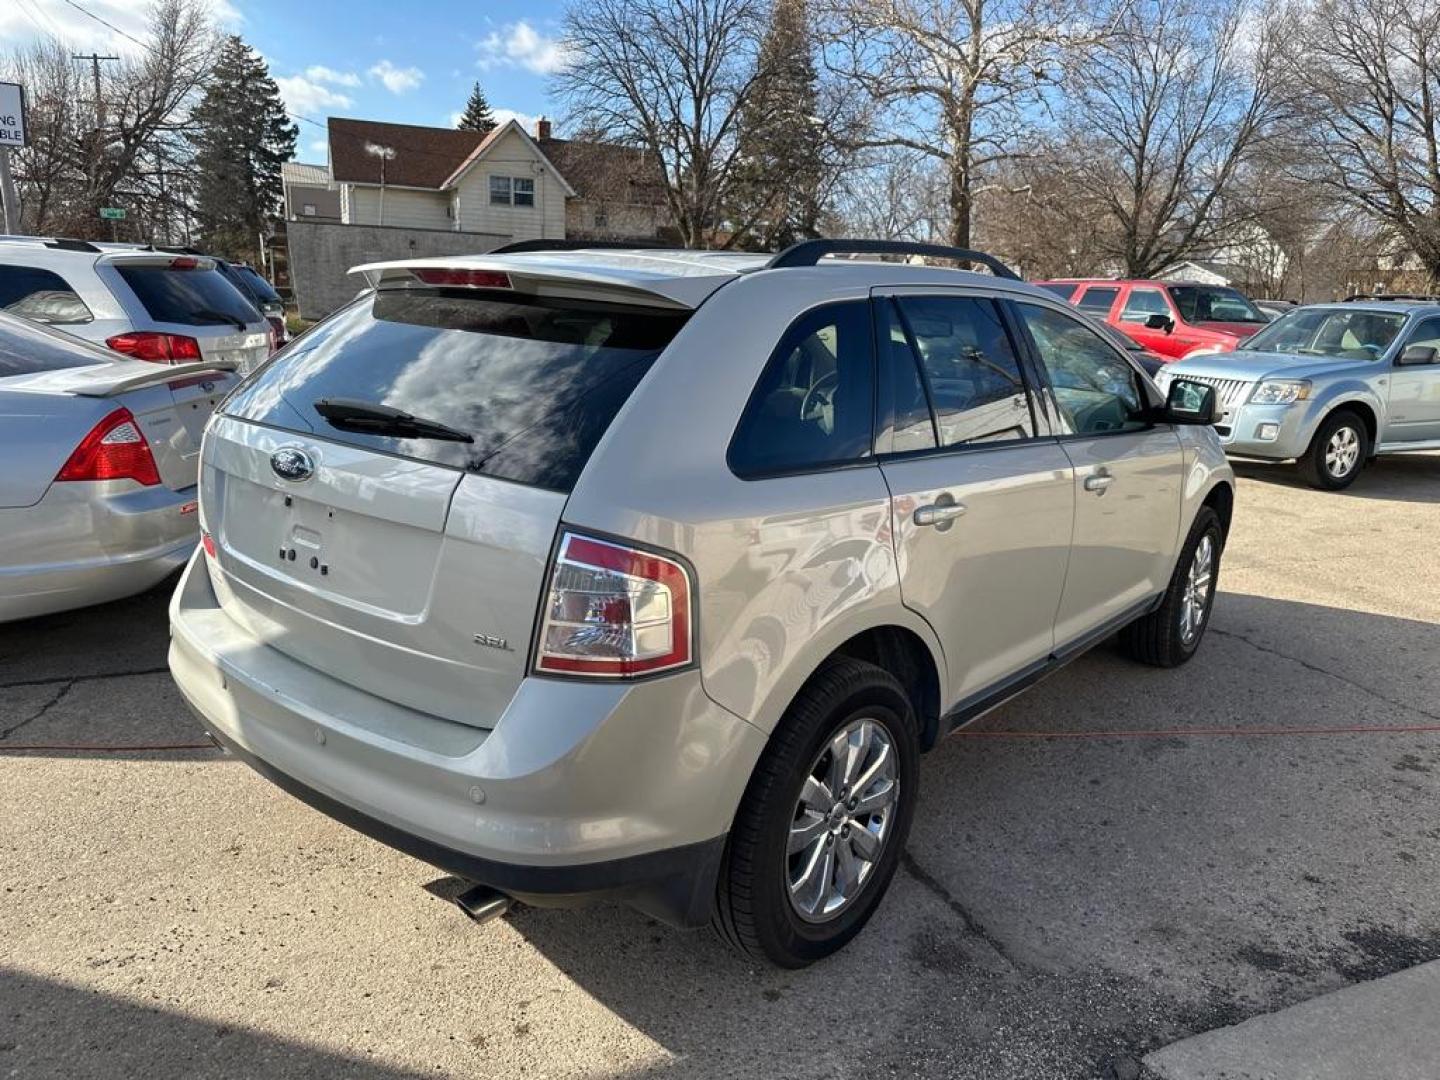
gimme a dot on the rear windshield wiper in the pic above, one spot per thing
(370, 418)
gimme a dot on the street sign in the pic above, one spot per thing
(12, 116)
(112, 213)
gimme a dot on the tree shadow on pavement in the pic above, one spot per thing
(50, 1029)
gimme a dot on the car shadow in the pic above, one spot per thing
(1120, 857)
(51, 1029)
(1392, 477)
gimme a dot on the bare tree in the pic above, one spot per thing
(671, 77)
(86, 153)
(895, 194)
(1370, 72)
(958, 81)
(1161, 118)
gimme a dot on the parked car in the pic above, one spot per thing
(1330, 386)
(1149, 360)
(149, 305)
(260, 293)
(98, 493)
(1174, 319)
(595, 572)
(1273, 309)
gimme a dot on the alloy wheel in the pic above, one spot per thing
(1342, 452)
(841, 821)
(1196, 598)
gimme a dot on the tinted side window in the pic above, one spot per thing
(1098, 301)
(1064, 290)
(40, 295)
(1093, 386)
(812, 405)
(1142, 303)
(189, 297)
(910, 424)
(1426, 334)
(970, 369)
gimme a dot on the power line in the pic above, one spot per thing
(112, 26)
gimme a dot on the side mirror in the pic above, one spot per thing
(1160, 321)
(1416, 356)
(1189, 402)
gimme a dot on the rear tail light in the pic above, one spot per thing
(613, 611)
(115, 449)
(155, 347)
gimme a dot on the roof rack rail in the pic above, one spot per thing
(521, 246)
(1423, 298)
(810, 252)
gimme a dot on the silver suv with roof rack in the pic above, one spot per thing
(1330, 386)
(650, 574)
(164, 307)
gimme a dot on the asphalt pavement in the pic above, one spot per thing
(1118, 860)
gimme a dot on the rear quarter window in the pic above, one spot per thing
(41, 296)
(535, 381)
(189, 297)
(1098, 300)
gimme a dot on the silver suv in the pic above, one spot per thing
(1330, 386)
(650, 574)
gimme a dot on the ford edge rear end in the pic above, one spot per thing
(391, 617)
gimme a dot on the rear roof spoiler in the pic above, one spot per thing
(162, 373)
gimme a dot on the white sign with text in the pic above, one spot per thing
(12, 116)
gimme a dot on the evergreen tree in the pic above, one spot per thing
(780, 196)
(477, 115)
(241, 137)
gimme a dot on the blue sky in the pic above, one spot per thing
(409, 62)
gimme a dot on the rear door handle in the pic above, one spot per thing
(938, 513)
(1098, 482)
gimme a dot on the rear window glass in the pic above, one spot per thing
(40, 295)
(26, 349)
(535, 381)
(258, 285)
(188, 297)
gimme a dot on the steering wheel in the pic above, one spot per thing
(820, 398)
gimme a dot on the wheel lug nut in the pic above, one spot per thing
(853, 803)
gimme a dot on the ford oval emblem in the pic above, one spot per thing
(292, 463)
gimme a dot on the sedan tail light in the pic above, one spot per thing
(115, 449)
(155, 347)
(613, 611)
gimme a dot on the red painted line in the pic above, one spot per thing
(1182, 733)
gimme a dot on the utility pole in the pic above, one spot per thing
(97, 144)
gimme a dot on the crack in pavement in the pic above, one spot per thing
(55, 699)
(972, 925)
(1310, 666)
(84, 678)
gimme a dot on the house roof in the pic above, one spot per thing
(608, 172)
(425, 157)
(299, 172)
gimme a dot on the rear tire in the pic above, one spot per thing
(1337, 453)
(1170, 634)
(784, 835)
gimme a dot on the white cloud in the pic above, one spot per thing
(521, 45)
(396, 79)
(307, 97)
(24, 22)
(321, 74)
(527, 120)
(321, 148)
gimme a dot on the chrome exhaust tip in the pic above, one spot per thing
(482, 903)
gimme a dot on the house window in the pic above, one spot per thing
(602, 219)
(500, 191)
(308, 210)
(524, 191)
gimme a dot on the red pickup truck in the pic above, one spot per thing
(1173, 318)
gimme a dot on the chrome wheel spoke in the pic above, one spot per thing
(816, 796)
(876, 799)
(847, 870)
(865, 843)
(805, 831)
(809, 889)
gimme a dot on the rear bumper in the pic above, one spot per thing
(88, 543)
(579, 791)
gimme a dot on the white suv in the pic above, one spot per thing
(650, 574)
(150, 305)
